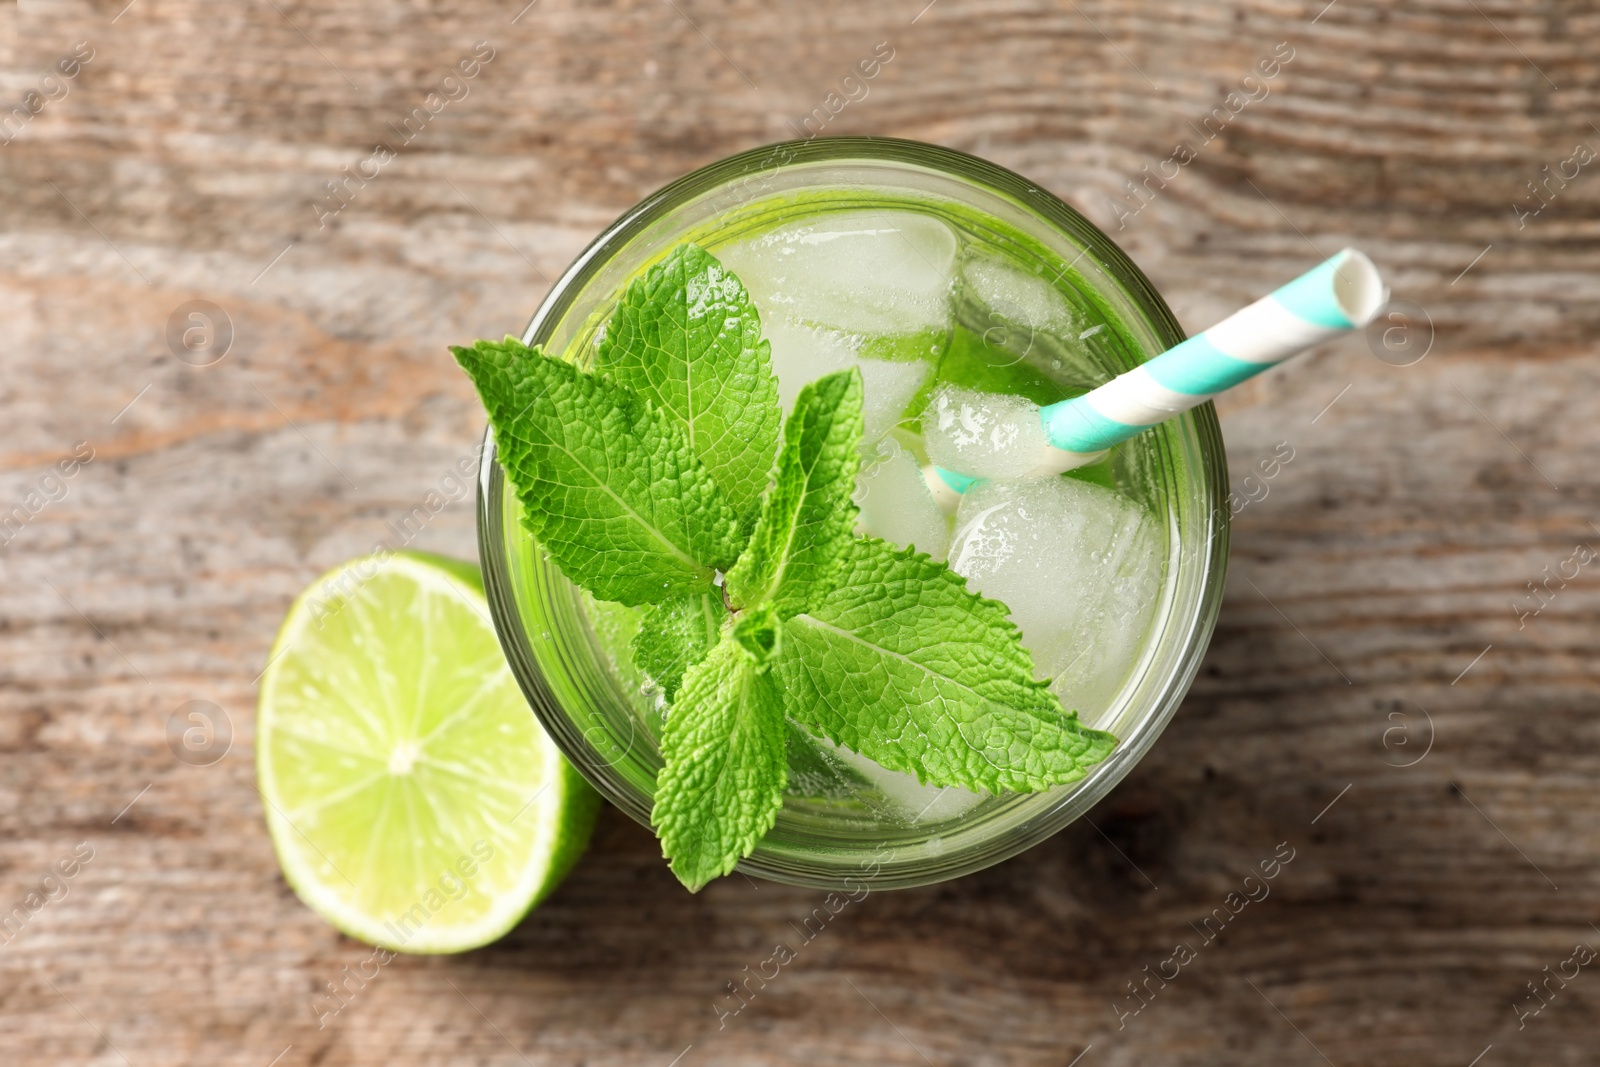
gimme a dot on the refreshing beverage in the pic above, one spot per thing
(957, 293)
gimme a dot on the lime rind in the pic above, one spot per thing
(412, 798)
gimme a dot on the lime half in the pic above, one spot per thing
(413, 799)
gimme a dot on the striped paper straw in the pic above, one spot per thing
(1343, 293)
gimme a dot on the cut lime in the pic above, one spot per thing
(413, 799)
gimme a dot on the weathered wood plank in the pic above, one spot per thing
(183, 162)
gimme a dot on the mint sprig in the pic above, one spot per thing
(652, 481)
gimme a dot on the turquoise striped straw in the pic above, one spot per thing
(1343, 293)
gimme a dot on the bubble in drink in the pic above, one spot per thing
(983, 435)
(896, 505)
(1080, 567)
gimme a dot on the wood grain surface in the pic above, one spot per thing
(1373, 698)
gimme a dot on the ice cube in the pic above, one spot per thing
(803, 353)
(887, 388)
(865, 272)
(1024, 319)
(896, 504)
(1080, 567)
(899, 796)
(983, 435)
(1017, 298)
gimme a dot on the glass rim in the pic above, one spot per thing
(1209, 467)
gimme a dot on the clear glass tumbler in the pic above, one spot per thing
(558, 640)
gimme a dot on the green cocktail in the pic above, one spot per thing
(952, 288)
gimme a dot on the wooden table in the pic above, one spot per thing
(1373, 698)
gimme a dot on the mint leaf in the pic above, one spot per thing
(722, 785)
(609, 484)
(686, 338)
(906, 667)
(807, 516)
(675, 635)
